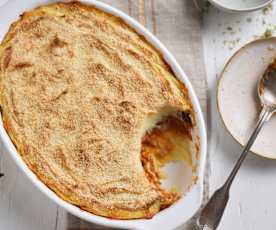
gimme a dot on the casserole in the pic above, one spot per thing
(200, 129)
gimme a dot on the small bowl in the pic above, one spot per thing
(240, 5)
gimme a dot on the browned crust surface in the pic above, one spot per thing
(77, 86)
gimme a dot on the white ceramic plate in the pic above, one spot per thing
(238, 102)
(169, 218)
(240, 5)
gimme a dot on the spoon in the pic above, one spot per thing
(212, 213)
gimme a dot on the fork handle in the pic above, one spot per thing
(213, 211)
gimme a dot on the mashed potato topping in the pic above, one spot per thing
(79, 91)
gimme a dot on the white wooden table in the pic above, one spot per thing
(252, 203)
(253, 195)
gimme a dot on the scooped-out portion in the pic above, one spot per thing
(170, 141)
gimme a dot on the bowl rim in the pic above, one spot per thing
(230, 9)
(268, 156)
(194, 195)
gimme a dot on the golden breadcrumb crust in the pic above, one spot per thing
(78, 90)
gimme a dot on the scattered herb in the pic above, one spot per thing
(267, 9)
(231, 43)
(268, 33)
(249, 20)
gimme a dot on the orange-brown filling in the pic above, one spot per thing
(158, 148)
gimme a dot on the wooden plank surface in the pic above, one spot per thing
(177, 24)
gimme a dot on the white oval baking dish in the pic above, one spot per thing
(169, 218)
